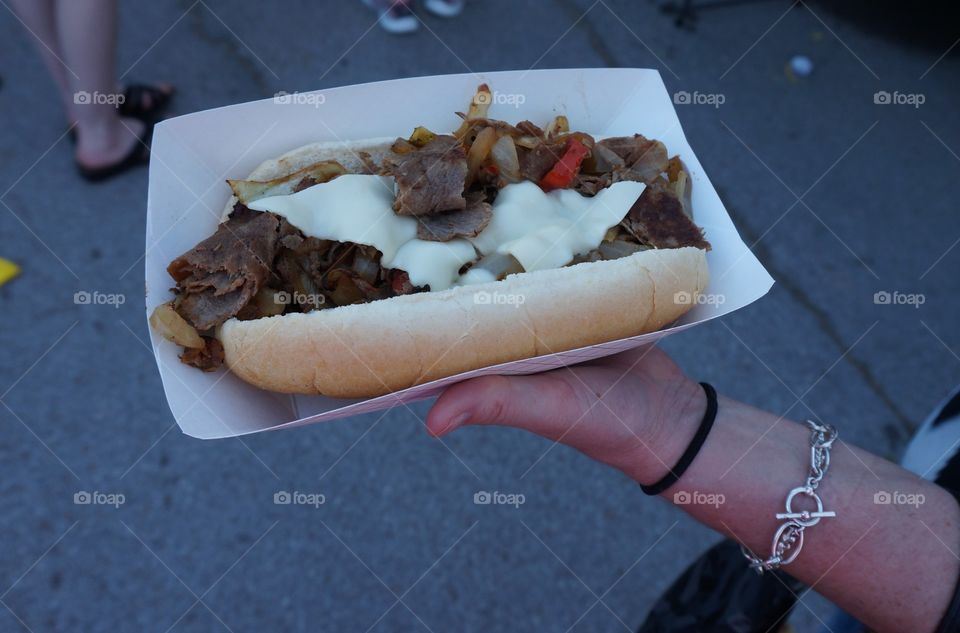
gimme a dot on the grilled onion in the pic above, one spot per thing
(479, 106)
(504, 155)
(559, 125)
(479, 152)
(174, 327)
(499, 264)
(248, 191)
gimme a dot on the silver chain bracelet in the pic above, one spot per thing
(788, 539)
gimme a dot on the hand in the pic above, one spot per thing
(635, 411)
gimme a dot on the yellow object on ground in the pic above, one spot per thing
(8, 270)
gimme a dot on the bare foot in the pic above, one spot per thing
(102, 146)
(145, 106)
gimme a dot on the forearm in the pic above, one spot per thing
(894, 566)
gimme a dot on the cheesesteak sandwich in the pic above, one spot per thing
(358, 269)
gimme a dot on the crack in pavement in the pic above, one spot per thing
(597, 43)
(895, 435)
(228, 43)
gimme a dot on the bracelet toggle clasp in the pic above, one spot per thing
(806, 518)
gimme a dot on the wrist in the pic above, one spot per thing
(670, 433)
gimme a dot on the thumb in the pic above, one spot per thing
(540, 403)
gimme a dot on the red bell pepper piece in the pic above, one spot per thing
(565, 170)
(400, 282)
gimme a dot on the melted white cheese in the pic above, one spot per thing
(359, 208)
(351, 208)
(476, 275)
(541, 230)
(434, 264)
(546, 230)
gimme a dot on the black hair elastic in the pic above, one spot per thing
(695, 445)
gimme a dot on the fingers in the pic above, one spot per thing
(630, 358)
(545, 404)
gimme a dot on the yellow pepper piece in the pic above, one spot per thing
(8, 270)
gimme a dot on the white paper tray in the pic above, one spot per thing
(192, 155)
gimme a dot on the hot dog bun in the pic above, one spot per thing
(347, 153)
(375, 348)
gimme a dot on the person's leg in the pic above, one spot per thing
(88, 37)
(37, 17)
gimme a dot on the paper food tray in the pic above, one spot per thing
(192, 155)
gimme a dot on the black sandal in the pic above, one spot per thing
(133, 105)
(133, 102)
(138, 155)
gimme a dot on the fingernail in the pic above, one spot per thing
(454, 422)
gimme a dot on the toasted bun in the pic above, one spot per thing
(347, 153)
(375, 348)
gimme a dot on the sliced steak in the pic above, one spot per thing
(536, 162)
(443, 227)
(644, 159)
(207, 358)
(531, 129)
(657, 219)
(603, 160)
(221, 274)
(590, 185)
(430, 179)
